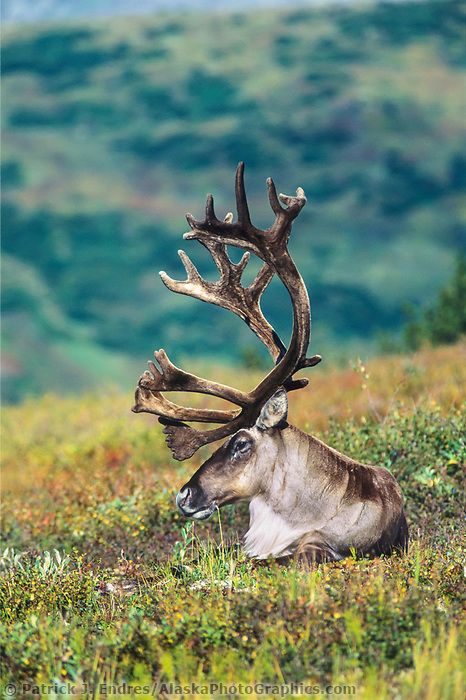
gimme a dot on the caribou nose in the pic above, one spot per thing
(183, 497)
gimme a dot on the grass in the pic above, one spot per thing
(103, 582)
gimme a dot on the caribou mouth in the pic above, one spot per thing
(201, 514)
(204, 513)
(197, 513)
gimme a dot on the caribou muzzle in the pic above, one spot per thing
(192, 502)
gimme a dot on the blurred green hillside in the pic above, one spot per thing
(113, 129)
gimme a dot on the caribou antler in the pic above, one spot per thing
(271, 246)
(229, 293)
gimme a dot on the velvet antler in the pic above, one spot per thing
(270, 246)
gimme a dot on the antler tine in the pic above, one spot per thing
(171, 378)
(242, 208)
(220, 257)
(193, 276)
(280, 230)
(294, 203)
(273, 197)
(261, 282)
(210, 212)
(239, 268)
(147, 400)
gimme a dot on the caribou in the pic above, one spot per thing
(306, 500)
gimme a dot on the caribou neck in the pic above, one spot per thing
(302, 470)
(303, 476)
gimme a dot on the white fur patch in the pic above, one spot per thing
(269, 534)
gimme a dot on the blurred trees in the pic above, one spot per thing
(445, 320)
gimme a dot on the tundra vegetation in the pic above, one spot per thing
(103, 580)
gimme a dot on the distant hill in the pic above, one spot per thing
(112, 130)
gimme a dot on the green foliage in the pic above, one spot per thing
(445, 320)
(113, 130)
(159, 615)
(50, 584)
(102, 581)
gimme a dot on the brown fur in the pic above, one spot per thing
(309, 503)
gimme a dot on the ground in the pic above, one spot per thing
(104, 582)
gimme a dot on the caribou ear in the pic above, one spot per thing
(274, 412)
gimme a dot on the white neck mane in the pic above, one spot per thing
(269, 534)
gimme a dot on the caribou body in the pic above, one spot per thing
(306, 499)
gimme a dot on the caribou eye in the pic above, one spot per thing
(241, 446)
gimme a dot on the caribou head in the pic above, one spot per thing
(240, 468)
(306, 499)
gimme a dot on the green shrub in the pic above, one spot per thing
(445, 320)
